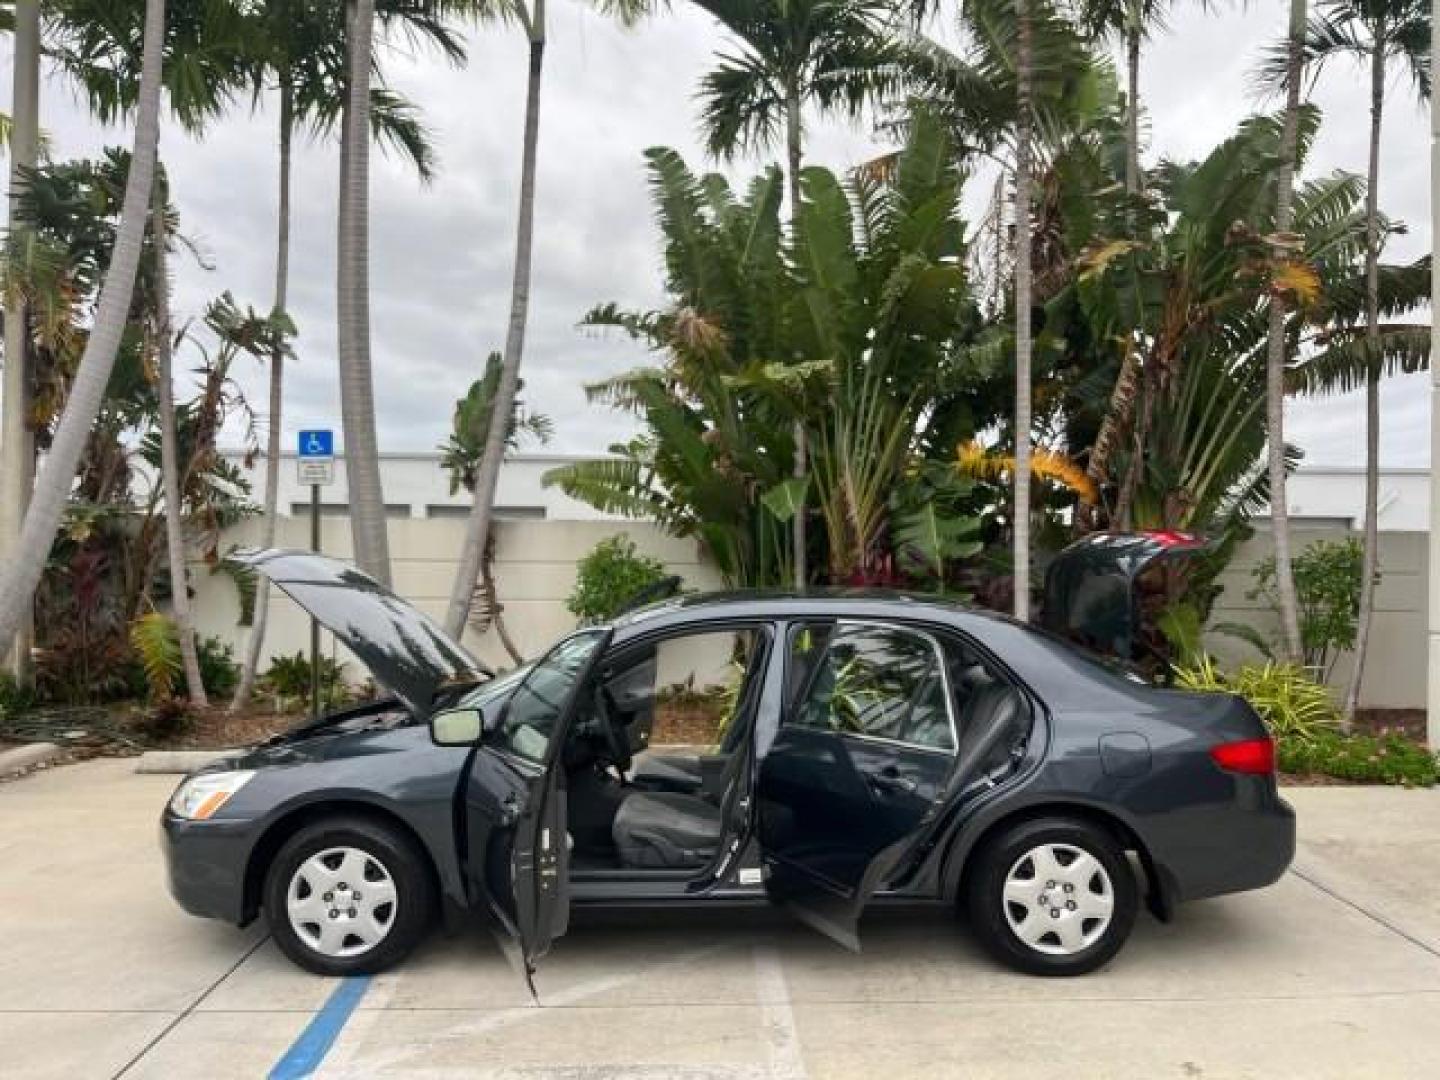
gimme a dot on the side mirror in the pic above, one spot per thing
(457, 727)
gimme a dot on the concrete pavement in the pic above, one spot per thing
(1335, 971)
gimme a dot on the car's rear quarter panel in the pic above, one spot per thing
(1206, 831)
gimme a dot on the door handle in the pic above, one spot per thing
(891, 780)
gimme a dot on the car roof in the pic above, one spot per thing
(777, 603)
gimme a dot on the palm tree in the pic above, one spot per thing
(791, 53)
(1024, 73)
(1276, 350)
(301, 48)
(530, 15)
(203, 68)
(1374, 33)
(162, 334)
(17, 450)
(21, 574)
(357, 389)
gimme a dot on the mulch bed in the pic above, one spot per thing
(216, 728)
(684, 725)
(1407, 722)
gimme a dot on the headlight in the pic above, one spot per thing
(200, 796)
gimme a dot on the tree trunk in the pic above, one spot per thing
(1370, 563)
(1021, 511)
(799, 525)
(256, 641)
(170, 455)
(477, 533)
(496, 608)
(1275, 356)
(1132, 112)
(357, 390)
(20, 575)
(17, 443)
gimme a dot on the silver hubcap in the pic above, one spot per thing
(1058, 899)
(341, 902)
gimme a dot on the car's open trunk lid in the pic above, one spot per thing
(406, 651)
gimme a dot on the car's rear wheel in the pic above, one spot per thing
(1053, 896)
(348, 896)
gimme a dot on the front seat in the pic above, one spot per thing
(666, 830)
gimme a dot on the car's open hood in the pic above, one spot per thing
(406, 651)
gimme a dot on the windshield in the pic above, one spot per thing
(497, 689)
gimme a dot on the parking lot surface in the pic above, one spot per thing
(1333, 972)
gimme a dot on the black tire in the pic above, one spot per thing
(398, 856)
(985, 896)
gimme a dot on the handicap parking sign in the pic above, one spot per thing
(317, 444)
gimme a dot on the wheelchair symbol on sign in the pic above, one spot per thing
(313, 445)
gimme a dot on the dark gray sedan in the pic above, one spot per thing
(862, 749)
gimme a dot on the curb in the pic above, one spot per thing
(179, 761)
(31, 756)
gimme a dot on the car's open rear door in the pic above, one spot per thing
(518, 780)
(840, 808)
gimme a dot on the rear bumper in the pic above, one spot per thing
(205, 865)
(1245, 845)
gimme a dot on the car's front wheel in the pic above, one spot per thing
(348, 896)
(1053, 896)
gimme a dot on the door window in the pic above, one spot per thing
(884, 682)
(529, 722)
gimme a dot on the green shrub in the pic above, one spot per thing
(609, 579)
(1387, 759)
(1293, 705)
(15, 699)
(1327, 588)
(218, 669)
(288, 678)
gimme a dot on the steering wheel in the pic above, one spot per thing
(617, 739)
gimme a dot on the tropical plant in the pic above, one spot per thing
(1328, 587)
(462, 456)
(21, 574)
(530, 14)
(610, 578)
(156, 640)
(217, 666)
(288, 680)
(872, 300)
(715, 449)
(1374, 33)
(1178, 312)
(788, 54)
(1295, 708)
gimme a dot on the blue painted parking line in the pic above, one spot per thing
(309, 1050)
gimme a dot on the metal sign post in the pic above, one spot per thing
(315, 466)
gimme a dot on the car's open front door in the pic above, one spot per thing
(858, 765)
(517, 787)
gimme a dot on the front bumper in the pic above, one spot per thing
(205, 864)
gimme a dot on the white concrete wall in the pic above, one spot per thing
(1395, 666)
(534, 572)
(417, 487)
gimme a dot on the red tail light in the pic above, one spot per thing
(1247, 756)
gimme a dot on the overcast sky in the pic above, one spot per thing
(441, 255)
